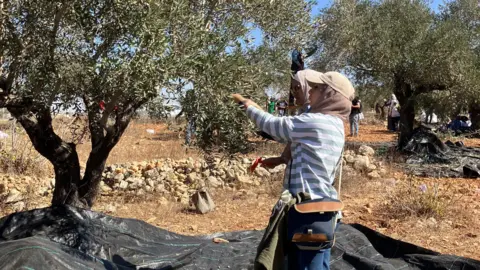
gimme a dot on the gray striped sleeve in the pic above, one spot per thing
(278, 127)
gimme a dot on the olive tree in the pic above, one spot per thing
(399, 44)
(105, 59)
(229, 61)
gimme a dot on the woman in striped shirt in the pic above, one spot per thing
(317, 139)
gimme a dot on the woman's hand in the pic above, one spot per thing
(249, 102)
(271, 163)
(245, 102)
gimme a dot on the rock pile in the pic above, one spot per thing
(182, 178)
(178, 180)
(363, 161)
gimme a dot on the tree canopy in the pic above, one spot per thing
(401, 45)
(106, 58)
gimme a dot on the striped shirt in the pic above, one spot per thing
(316, 140)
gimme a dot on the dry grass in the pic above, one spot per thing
(138, 145)
(412, 197)
(17, 154)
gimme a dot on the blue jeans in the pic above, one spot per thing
(395, 121)
(313, 260)
(354, 122)
(310, 259)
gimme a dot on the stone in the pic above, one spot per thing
(213, 182)
(349, 158)
(371, 168)
(181, 177)
(136, 183)
(182, 188)
(153, 173)
(27, 179)
(131, 180)
(203, 201)
(150, 183)
(230, 174)
(110, 208)
(374, 175)
(184, 200)
(148, 189)
(431, 222)
(206, 173)
(246, 161)
(162, 176)
(243, 181)
(18, 206)
(382, 171)
(160, 188)
(140, 192)
(123, 185)
(163, 201)
(361, 163)
(14, 196)
(105, 188)
(192, 178)
(119, 177)
(201, 183)
(366, 150)
(262, 172)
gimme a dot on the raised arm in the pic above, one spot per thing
(278, 127)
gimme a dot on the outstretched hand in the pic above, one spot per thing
(273, 162)
(244, 101)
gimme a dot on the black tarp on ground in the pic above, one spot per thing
(430, 157)
(70, 238)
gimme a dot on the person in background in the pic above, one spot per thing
(354, 117)
(384, 106)
(271, 106)
(317, 138)
(282, 107)
(378, 110)
(393, 113)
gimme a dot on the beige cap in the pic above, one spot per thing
(334, 79)
(310, 74)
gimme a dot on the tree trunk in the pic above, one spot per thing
(405, 95)
(63, 156)
(475, 111)
(67, 177)
(70, 188)
(93, 175)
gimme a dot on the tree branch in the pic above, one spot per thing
(429, 88)
(56, 25)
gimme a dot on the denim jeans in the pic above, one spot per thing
(354, 122)
(313, 260)
(395, 121)
(309, 259)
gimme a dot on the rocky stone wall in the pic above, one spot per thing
(179, 179)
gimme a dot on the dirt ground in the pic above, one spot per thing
(380, 204)
(455, 232)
